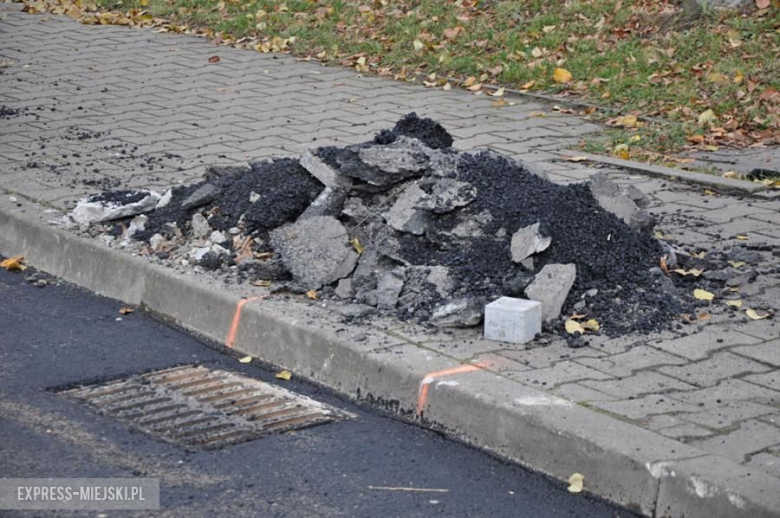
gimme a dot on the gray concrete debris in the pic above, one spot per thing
(217, 237)
(611, 198)
(165, 200)
(316, 250)
(464, 312)
(137, 224)
(206, 193)
(156, 242)
(404, 215)
(551, 286)
(323, 172)
(440, 277)
(389, 164)
(344, 289)
(200, 226)
(330, 202)
(389, 286)
(354, 208)
(447, 195)
(266, 269)
(354, 310)
(634, 194)
(87, 211)
(473, 226)
(528, 241)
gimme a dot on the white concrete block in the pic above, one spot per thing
(516, 321)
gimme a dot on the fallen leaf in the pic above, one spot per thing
(699, 255)
(528, 85)
(446, 87)
(704, 316)
(561, 75)
(743, 237)
(214, 59)
(591, 324)
(621, 151)
(574, 327)
(245, 359)
(418, 45)
(762, 4)
(729, 174)
(693, 271)
(499, 103)
(124, 310)
(658, 234)
(700, 294)
(359, 248)
(755, 315)
(284, 375)
(734, 303)
(497, 93)
(627, 121)
(707, 116)
(576, 481)
(737, 264)
(312, 294)
(475, 87)
(663, 265)
(14, 264)
(262, 283)
(575, 158)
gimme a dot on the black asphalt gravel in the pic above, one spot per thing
(59, 335)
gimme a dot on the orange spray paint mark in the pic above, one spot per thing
(422, 397)
(231, 336)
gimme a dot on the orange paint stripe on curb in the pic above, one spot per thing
(422, 397)
(230, 339)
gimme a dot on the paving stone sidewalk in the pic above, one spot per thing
(83, 108)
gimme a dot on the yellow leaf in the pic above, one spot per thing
(699, 255)
(312, 294)
(498, 93)
(738, 78)
(658, 234)
(527, 85)
(245, 359)
(124, 310)
(446, 87)
(729, 174)
(261, 283)
(737, 264)
(575, 158)
(561, 75)
(693, 271)
(755, 315)
(592, 324)
(707, 116)
(700, 294)
(573, 327)
(635, 138)
(475, 87)
(14, 264)
(621, 151)
(743, 237)
(627, 121)
(418, 45)
(469, 81)
(144, 3)
(284, 375)
(734, 303)
(548, 29)
(359, 248)
(576, 482)
(499, 103)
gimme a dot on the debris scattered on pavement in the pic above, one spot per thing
(576, 481)
(14, 264)
(405, 224)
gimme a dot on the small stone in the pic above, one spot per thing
(210, 261)
(13, 199)
(196, 254)
(464, 312)
(165, 200)
(447, 195)
(344, 289)
(551, 286)
(200, 226)
(217, 237)
(156, 241)
(138, 224)
(528, 241)
(389, 286)
(354, 310)
(204, 194)
(234, 231)
(253, 197)
(720, 275)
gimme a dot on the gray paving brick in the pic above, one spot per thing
(770, 380)
(562, 372)
(700, 345)
(727, 415)
(767, 352)
(751, 436)
(636, 358)
(639, 384)
(644, 407)
(728, 392)
(709, 372)
(685, 431)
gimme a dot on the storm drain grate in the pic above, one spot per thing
(202, 408)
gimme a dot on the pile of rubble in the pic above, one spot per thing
(408, 225)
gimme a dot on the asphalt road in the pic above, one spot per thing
(59, 335)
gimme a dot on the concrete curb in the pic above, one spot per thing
(725, 184)
(630, 466)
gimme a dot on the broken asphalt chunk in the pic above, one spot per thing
(551, 286)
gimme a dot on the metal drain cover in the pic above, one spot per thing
(198, 407)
